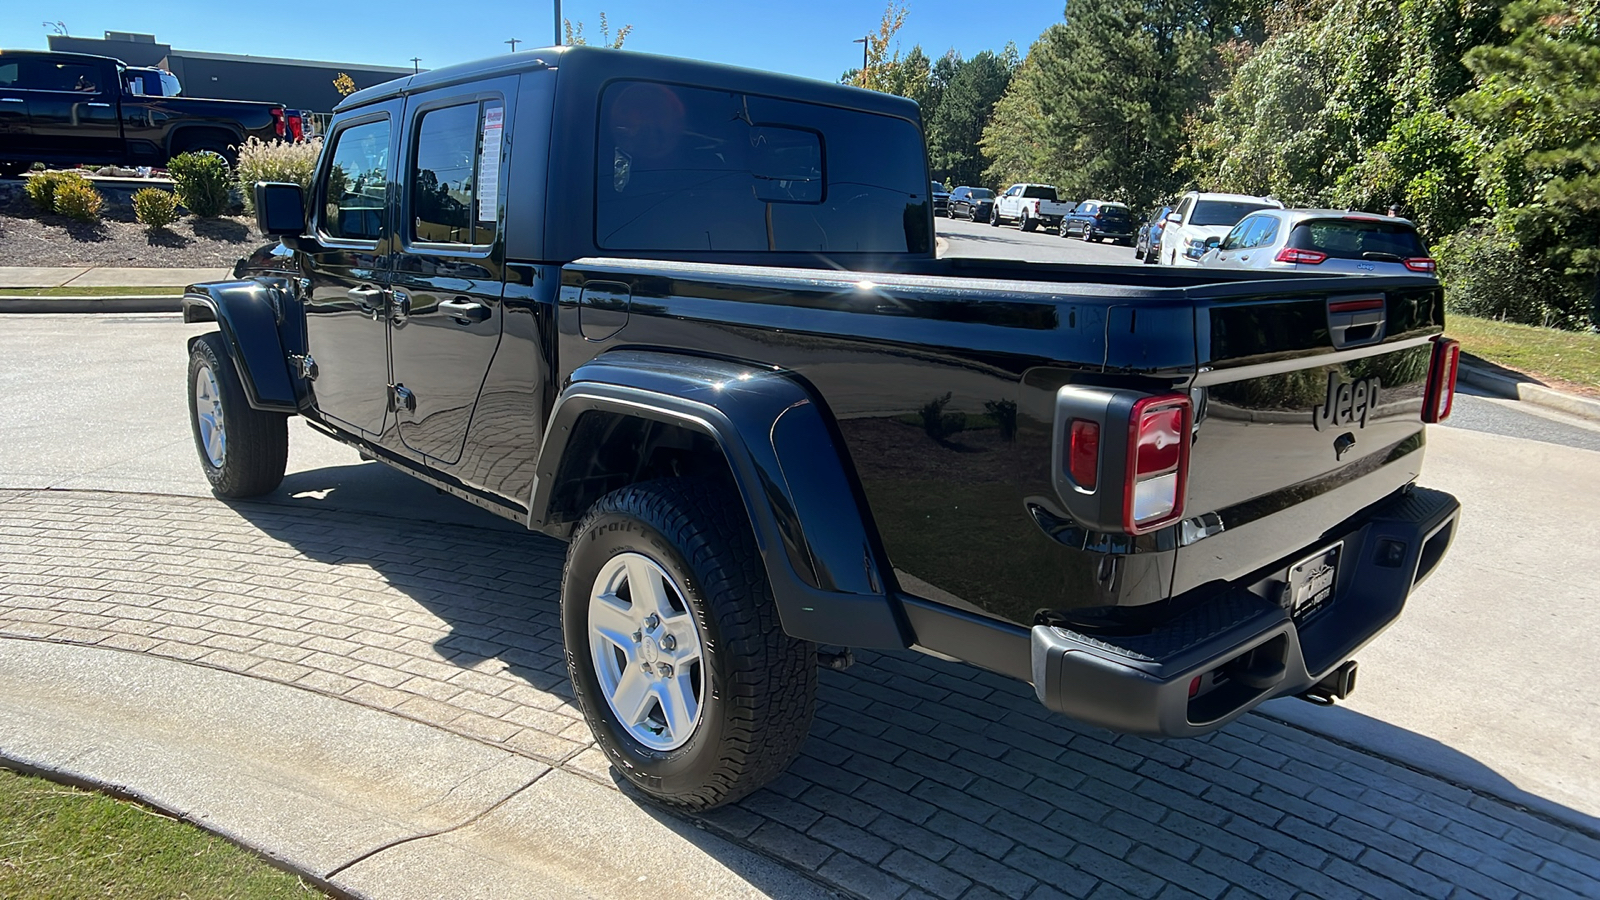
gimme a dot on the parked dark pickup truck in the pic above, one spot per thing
(71, 108)
(689, 319)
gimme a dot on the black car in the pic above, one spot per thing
(941, 199)
(1099, 220)
(1147, 246)
(691, 320)
(972, 203)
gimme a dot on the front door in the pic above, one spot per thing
(15, 134)
(447, 313)
(72, 108)
(347, 306)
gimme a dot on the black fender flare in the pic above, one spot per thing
(818, 545)
(248, 314)
(180, 134)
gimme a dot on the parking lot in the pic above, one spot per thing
(920, 777)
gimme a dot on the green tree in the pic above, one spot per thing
(1538, 100)
(1014, 142)
(965, 108)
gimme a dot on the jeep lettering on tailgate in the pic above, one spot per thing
(1348, 403)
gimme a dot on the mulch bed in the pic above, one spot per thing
(30, 239)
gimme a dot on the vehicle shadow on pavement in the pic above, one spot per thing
(921, 775)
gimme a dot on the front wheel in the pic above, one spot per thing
(677, 658)
(243, 451)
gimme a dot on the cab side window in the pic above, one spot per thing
(1239, 237)
(1268, 234)
(356, 194)
(453, 182)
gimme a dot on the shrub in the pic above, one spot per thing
(155, 208)
(77, 199)
(202, 182)
(1486, 274)
(42, 188)
(294, 163)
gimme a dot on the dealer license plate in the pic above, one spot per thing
(1311, 582)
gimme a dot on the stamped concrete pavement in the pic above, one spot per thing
(921, 778)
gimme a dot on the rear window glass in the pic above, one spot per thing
(1355, 239)
(982, 194)
(684, 168)
(1224, 212)
(1114, 212)
(1042, 192)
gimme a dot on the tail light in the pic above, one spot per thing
(1296, 255)
(1122, 458)
(1440, 395)
(1422, 264)
(1157, 463)
(277, 120)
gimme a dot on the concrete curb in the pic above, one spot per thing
(1539, 395)
(133, 304)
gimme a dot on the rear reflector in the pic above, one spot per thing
(1158, 462)
(1421, 264)
(1294, 255)
(1083, 453)
(1440, 396)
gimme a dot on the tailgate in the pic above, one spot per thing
(1308, 410)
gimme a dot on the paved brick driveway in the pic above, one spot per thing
(921, 778)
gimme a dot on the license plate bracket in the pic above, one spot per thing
(1312, 582)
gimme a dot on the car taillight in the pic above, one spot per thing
(1421, 264)
(1440, 395)
(1083, 453)
(277, 120)
(1158, 462)
(1295, 255)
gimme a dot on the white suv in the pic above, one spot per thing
(1201, 216)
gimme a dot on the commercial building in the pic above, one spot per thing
(296, 83)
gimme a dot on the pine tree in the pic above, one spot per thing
(965, 107)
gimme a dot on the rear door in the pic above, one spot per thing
(347, 335)
(446, 320)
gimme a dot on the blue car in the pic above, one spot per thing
(1147, 246)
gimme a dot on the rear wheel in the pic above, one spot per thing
(674, 647)
(1025, 222)
(243, 451)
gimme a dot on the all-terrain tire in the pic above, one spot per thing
(255, 451)
(759, 684)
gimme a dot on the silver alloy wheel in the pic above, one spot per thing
(646, 650)
(208, 416)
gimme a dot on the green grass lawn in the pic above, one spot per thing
(1552, 356)
(93, 292)
(61, 843)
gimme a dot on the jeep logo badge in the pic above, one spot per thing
(1348, 403)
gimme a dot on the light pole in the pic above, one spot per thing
(416, 64)
(865, 42)
(513, 42)
(557, 41)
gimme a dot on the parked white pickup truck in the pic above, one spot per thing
(1030, 205)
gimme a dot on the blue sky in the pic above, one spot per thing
(798, 37)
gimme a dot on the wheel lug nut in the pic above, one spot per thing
(651, 621)
(664, 669)
(638, 636)
(669, 643)
(645, 667)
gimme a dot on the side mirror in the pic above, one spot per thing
(1213, 242)
(1174, 219)
(280, 210)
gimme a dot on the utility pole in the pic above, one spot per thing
(557, 41)
(865, 43)
(513, 42)
(416, 62)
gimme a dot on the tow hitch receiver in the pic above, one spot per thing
(1339, 684)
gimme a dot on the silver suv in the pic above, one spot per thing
(1335, 242)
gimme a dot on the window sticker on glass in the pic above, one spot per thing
(489, 163)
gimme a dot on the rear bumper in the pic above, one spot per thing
(1242, 645)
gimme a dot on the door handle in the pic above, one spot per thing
(366, 298)
(12, 100)
(103, 105)
(463, 310)
(400, 306)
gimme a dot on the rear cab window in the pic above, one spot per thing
(1039, 192)
(697, 169)
(1355, 238)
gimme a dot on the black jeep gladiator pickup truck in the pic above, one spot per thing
(689, 319)
(71, 108)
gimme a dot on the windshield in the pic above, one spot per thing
(1040, 191)
(1224, 212)
(938, 188)
(1358, 239)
